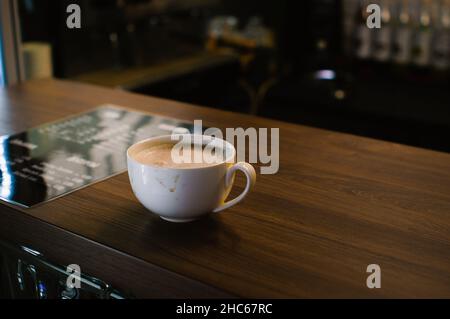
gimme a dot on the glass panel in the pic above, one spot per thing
(2, 64)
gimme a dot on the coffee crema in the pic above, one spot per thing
(160, 155)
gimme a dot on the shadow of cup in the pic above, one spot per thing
(205, 232)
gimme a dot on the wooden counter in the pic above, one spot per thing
(338, 204)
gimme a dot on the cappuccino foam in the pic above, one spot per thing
(161, 155)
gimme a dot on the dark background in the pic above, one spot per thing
(401, 103)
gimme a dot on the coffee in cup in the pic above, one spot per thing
(173, 183)
(161, 155)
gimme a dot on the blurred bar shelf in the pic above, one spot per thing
(136, 77)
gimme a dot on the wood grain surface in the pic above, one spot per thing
(338, 203)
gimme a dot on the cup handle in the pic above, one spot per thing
(249, 172)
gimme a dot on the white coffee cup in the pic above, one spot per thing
(186, 194)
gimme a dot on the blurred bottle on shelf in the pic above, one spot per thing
(383, 36)
(441, 39)
(421, 52)
(403, 34)
(413, 42)
(362, 35)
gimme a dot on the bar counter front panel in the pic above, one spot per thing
(338, 204)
